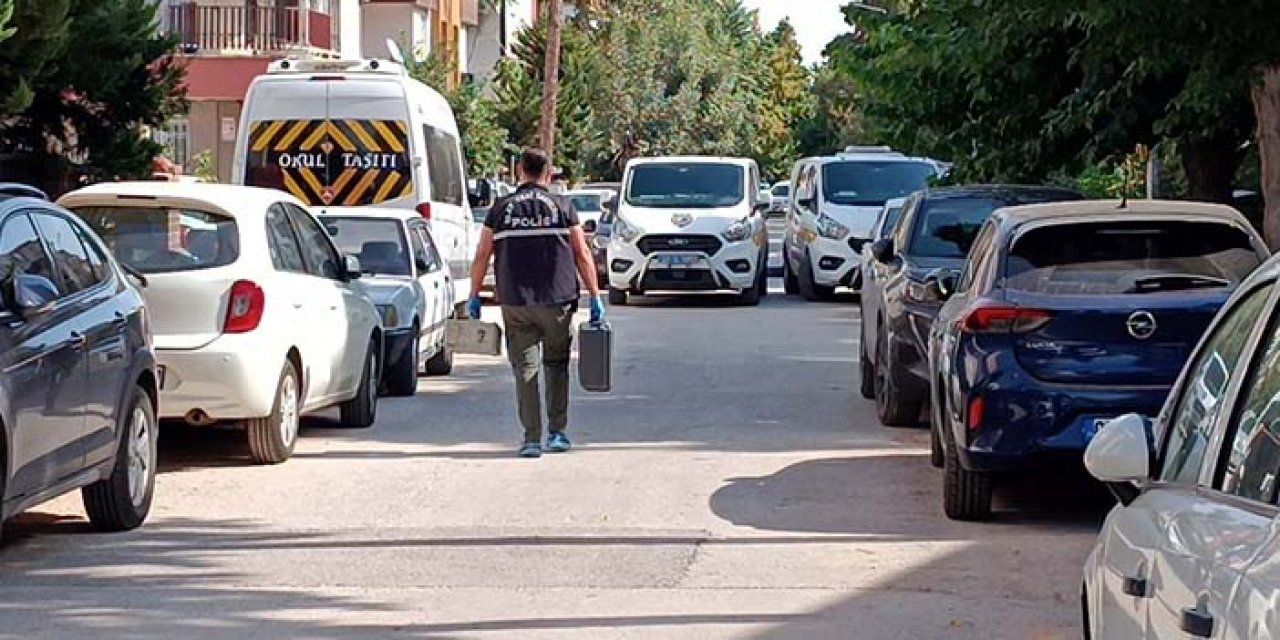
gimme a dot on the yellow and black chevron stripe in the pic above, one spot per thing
(323, 162)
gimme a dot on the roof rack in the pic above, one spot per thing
(18, 190)
(306, 65)
(852, 149)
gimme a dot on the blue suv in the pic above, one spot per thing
(78, 377)
(1065, 316)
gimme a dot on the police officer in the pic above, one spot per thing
(539, 252)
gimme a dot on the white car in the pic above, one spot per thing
(407, 280)
(1190, 550)
(257, 317)
(590, 205)
(689, 224)
(834, 203)
(779, 197)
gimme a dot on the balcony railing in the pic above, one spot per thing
(207, 29)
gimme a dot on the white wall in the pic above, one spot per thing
(405, 24)
(349, 31)
(484, 44)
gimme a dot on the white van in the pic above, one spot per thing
(689, 224)
(833, 204)
(357, 133)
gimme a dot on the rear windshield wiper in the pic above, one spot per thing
(134, 273)
(1176, 282)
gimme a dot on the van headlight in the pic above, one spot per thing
(390, 315)
(831, 228)
(624, 232)
(738, 231)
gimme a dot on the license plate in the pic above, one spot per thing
(678, 262)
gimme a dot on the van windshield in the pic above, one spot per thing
(162, 239)
(346, 162)
(872, 183)
(698, 185)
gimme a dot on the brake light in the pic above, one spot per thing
(424, 210)
(1006, 320)
(977, 411)
(244, 307)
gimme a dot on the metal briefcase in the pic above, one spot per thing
(595, 356)
(474, 336)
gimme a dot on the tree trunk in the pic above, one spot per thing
(1266, 104)
(1211, 166)
(551, 77)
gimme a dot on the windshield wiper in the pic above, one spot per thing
(1176, 282)
(134, 273)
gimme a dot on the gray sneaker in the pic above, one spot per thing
(558, 443)
(530, 450)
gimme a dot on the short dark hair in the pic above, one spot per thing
(534, 162)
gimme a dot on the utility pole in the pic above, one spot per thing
(551, 73)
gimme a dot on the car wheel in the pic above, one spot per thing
(751, 296)
(271, 439)
(402, 377)
(617, 297)
(362, 410)
(867, 370)
(122, 500)
(441, 364)
(790, 285)
(809, 287)
(892, 409)
(966, 495)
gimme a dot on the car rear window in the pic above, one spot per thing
(1109, 258)
(948, 226)
(163, 239)
(378, 243)
(588, 204)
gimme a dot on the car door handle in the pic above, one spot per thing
(297, 305)
(1197, 622)
(1136, 587)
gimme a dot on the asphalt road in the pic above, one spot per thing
(733, 486)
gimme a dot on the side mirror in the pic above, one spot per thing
(590, 226)
(761, 207)
(422, 264)
(882, 250)
(808, 202)
(940, 285)
(1120, 455)
(351, 267)
(27, 295)
(480, 194)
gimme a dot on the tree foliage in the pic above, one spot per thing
(89, 76)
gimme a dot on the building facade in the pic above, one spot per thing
(226, 43)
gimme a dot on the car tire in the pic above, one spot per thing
(441, 364)
(809, 287)
(866, 371)
(271, 439)
(790, 285)
(892, 409)
(617, 297)
(402, 376)
(751, 297)
(362, 410)
(121, 501)
(966, 495)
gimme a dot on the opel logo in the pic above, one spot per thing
(682, 219)
(1141, 325)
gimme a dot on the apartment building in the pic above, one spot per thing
(226, 43)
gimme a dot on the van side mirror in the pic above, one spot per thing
(808, 202)
(351, 267)
(26, 295)
(882, 250)
(1120, 455)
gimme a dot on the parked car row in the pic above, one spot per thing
(324, 281)
(1021, 321)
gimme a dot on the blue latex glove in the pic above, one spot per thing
(473, 307)
(597, 310)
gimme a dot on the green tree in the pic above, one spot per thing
(113, 75)
(34, 35)
(789, 102)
